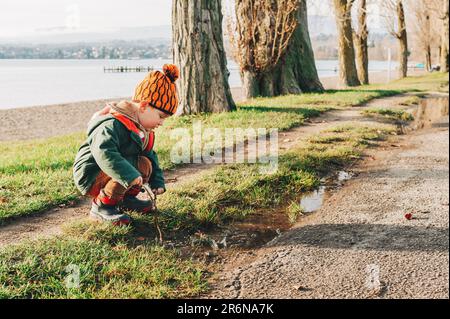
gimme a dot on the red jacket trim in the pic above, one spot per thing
(130, 125)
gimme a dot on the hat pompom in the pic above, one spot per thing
(171, 71)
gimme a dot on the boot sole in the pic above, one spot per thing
(118, 222)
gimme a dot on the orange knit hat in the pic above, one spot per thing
(159, 89)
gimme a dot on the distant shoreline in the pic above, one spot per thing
(45, 121)
(70, 81)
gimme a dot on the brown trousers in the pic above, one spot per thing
(113, 189)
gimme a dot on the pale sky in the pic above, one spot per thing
(26, 17)
(37, 17)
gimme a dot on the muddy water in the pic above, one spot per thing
(264, 226)
(313, 201)
(344, 176)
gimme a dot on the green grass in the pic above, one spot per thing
(244, 117)
(326, 100)
(391, 114)
(36, 175)
(294, 211)
(430, 82)
(40, 270)
(124, 262)
(413, 100)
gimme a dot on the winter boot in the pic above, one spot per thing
(105, 211)
(131, 202)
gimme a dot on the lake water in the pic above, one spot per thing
(42, 82)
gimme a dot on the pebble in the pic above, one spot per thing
(299, 287)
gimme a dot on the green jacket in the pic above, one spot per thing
(112, 148)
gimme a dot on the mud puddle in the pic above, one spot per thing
(313, 201)
(258, 229)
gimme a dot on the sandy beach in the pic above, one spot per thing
(60, 119)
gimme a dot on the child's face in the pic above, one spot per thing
(151, 118)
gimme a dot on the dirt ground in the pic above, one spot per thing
(359, 244)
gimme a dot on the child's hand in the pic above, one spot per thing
(158, 191)
(138, 181)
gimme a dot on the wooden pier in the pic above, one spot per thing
(125, 69)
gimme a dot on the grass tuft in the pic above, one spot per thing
(390, 114)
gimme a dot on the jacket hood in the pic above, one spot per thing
(124, 107)
(97, 121)
(127, 113)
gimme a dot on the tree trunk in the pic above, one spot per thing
(295, 72)
(199, 52)
(348, 75)
(445, 38)
(361, 48)
(251, 84)
(403, 41)
(428, 62)
(298, 73)
(444, 59)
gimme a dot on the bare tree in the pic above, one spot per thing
(426, 28)
(440, 19)
(348, 75)
(273, 47)
(198, 50)
(444, 16)
(360, 36)
(396, 26)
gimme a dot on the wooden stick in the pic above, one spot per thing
(155, 211)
